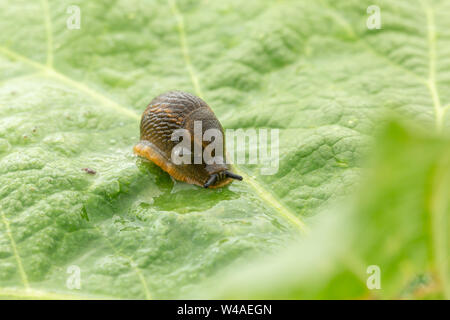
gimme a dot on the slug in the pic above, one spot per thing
(180, 110)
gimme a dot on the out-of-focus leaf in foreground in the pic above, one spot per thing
(398, 222)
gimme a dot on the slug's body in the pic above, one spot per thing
(179, 110)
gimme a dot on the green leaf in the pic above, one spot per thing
(398, 222)
(72, 98)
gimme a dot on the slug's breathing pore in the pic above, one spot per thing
(176, 110)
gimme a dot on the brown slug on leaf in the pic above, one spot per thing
(180, 110)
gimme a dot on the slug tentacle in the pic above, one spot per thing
(211, 180)
(233, 175)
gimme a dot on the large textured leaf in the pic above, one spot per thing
(71, 99)
(398, 223)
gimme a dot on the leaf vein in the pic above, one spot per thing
(106, 102)
(49, 32)
(184, 47)
(431, 82)
(22, 272)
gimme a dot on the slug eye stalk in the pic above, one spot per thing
(214, 177)
(233, 175)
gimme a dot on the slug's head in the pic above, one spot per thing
(219, 177)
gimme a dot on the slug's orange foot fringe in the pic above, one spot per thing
(147, 150)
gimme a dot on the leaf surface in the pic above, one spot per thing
(72, 99)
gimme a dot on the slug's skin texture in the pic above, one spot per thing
(178, 110)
